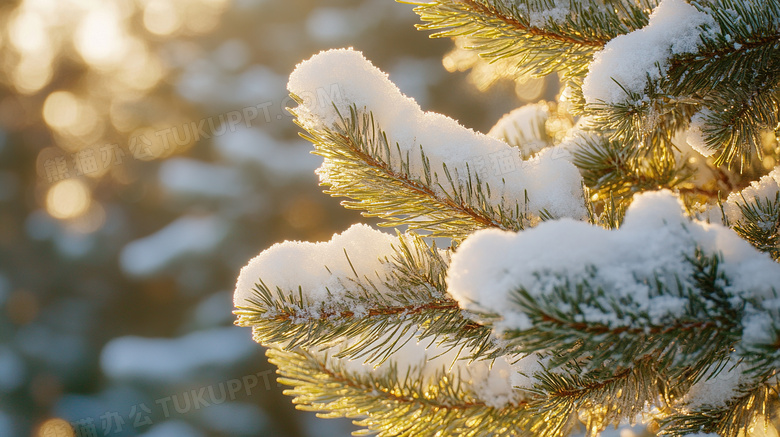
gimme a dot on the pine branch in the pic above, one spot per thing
(393, 403)
(736, 118)
(614, 168)
(500, 31)
(760, 345)
(760, 224)
(362, 165)
(611, 357)
(611, 213)
(734, 78)
(416, 307)
(728, 420)
(604, 397)
(645, 119)
(578, 320)
(749, 42)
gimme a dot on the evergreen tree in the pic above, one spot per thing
(623, 270)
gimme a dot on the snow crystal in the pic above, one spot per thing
(653, 242)
(675, 28)
(174, 359)
(523, 128)
(695, 136)
(525, 368)
(625, 429)
(653, 210)
(187, 235)
(493, 382)
(336, 79)
(318, 268)
(322, 269)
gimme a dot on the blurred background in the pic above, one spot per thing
(145, 157)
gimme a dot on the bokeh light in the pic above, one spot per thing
(27, 32)
(68, 199)
(100, 38)
(31, 74)
(161, 17)
(55, 428)
(60, 110)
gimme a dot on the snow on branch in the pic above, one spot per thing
(321, 270)
(659, 272)
(373, 298)
(765, 188)
(524, 128)
(362, 284)
(624, 65)
(754, 213)
(662, 295)
(551, 184)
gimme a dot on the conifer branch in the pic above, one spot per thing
(736, 118)
(417, 307)
(578, 320)
(644, 120)
(393, 403)
(505, 15)
(499, 31)
(615, 169)
(734, 78)
(748, 43)
(615, 336)
(361, 164)
(728, 420)
(611, 212)
(604, 397)
(760, 224)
